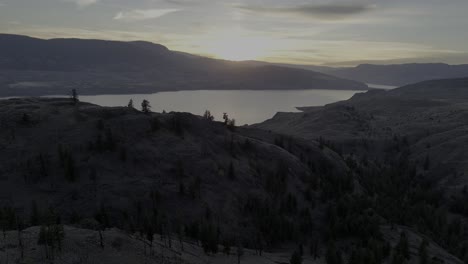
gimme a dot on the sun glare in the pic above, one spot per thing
(237, 47)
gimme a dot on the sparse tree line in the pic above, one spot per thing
(51, 234)
(396, 193)
(146, 108)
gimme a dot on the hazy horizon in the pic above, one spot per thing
(325, 32)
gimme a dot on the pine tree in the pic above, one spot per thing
(25, 118)
(130, 104)
(423, 254)
(427, 163)
(75, 96)
(145, 106)
(149, 232)
(296, 258)
(225, 118)
(231, 172)
(227, 248)
(402, 248)
(34, 218)
(333, 255)
(42, 239)
(59, 235)
(404, 245)
(207, 115)
(240, 252)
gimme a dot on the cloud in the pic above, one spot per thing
(140, 14)
(333, 11)
(83, 3)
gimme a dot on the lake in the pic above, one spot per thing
(381, 86)
(247, 107)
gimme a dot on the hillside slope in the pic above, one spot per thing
(83, 246)
(87, 160)
(409, 147)
(180, 175)
(430, 115)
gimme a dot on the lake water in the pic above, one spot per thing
(247, 107)
(381, 86)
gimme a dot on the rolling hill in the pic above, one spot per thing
(408, 145)
(146, 186)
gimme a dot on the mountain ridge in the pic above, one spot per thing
(401, 74)
(115, 67)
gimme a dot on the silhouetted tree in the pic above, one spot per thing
(155, 124)
(74, 96)
(239, 251)
(149, 232)
(230, 123)
(423, 254)
(25, 119)
(207, 115)
(209, 238)
(177, 124)
(130, 104)
(35, 216)
(231, 172)
(51, 234)
(145, 106)
(427, 163)
(180, 235)
(402, 248)
(225, 118)
(102, 218)
(43, 239)
(70, 169)
(226, 248)
(296, 258)
(333, 255)
(314, 248)
(100, 124)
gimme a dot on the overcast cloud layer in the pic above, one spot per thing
(334, 32)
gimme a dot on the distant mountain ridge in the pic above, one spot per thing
(401, 74)
(26, 53)
(389, 75)
(115, 67)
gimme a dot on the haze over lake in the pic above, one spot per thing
(247, 107)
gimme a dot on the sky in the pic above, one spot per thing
(318, 32)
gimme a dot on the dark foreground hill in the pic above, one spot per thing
(187, 178)
(409, 146)
(30, 66)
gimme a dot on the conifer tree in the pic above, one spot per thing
(145, 106)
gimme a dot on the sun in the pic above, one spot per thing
(237, 47)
